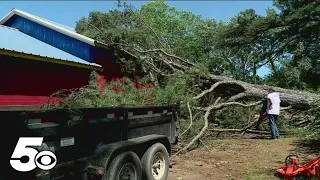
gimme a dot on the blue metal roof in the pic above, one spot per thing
(46, 23)
(14, 40)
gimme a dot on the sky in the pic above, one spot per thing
(69, 12)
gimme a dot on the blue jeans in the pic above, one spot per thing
(273, 125)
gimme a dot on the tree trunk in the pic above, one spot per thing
(244, 69)
(236, 90)
(272, 65)
(255, 72)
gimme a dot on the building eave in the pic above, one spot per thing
(48, 59)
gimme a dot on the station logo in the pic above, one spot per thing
(25, 158)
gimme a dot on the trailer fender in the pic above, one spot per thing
(105, 153)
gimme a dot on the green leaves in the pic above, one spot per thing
(155, 25)
(236, 49)
(176, 90)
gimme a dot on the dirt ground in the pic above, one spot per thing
(237, 159)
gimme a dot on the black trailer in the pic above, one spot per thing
(91, 143)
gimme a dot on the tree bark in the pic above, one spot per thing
(294, 98)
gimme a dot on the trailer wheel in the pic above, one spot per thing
(126, 166)
(155, 163)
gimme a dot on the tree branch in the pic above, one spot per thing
(213, 87)
(204, 128)
(190, 115)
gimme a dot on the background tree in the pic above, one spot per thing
(288, 41)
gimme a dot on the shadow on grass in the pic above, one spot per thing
(308, 146)
(306, 150)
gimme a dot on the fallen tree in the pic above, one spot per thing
(206, 92)
(159, 66)
(293, 98)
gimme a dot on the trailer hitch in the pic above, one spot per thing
(95, 170)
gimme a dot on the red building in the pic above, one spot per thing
(39, 57)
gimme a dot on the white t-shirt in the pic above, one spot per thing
(275, 100)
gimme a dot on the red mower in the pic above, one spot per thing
(293, 169)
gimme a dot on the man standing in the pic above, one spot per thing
(273, 111)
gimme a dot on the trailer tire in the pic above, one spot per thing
(126, 164)
(156, 157)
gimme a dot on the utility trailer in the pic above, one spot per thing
(122, 143)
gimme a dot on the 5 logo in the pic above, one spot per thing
(26, 158)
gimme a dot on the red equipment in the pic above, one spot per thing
(294, 169)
